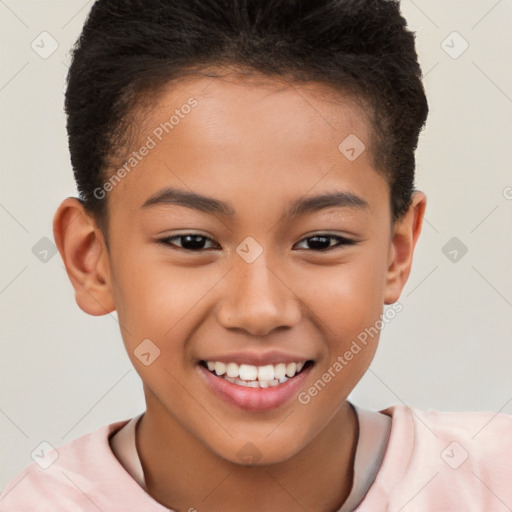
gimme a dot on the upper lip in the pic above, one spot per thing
(258, 358)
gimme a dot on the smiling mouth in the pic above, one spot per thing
(256, 376)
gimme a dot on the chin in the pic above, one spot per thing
(253, 451)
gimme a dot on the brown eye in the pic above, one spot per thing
(189, 242)
(321, 243)
(197, 243)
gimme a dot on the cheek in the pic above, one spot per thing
(347, 297)
(156, 298)
(348, 306)
(158, 306)
(347, 301)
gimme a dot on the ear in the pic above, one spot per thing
(82, 247)
(403, 240)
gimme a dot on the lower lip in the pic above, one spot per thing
(255, 399)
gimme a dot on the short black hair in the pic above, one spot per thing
(129, 49)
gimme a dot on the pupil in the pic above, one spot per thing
(192, 241)
(313, 241)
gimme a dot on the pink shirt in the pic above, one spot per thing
(435, 461)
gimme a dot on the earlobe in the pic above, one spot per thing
(85, 256)
(405, 235)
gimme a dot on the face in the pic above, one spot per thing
(244, 236)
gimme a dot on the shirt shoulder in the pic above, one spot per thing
(83, 474)
(444, 461)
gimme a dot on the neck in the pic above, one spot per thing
(183, 474)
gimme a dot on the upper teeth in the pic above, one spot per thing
(250, 372)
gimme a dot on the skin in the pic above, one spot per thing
(258, 147)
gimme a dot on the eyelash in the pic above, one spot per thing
(342, 241)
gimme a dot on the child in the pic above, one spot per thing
(247, 206)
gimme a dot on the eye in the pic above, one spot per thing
(189, 241)
(195, 243)
(322, 242)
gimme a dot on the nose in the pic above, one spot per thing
(257, 299)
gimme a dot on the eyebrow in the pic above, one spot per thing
(309, 204)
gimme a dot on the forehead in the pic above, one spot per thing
(309, 110)
(238, 132)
